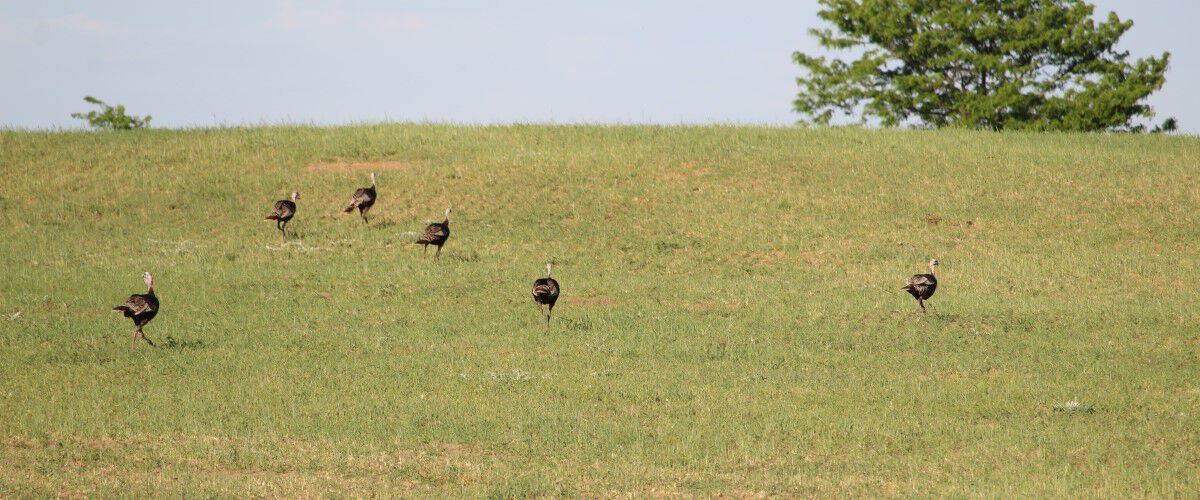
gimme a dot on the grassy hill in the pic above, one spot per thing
(731, 322)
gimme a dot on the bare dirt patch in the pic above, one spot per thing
(685, 172)
(338, 165)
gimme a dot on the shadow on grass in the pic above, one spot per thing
(459, 255)
(946, 317)
(381, 224)
(170, 342)
(577, 324)
(448, 256)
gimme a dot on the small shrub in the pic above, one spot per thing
(111, 118)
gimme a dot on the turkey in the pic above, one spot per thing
(363, 199)
(922, 286)
(142, 308)
(436, 234)
(545, 291)
(283, 212)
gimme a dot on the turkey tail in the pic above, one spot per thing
(124, 310)
(349, 209)
(272, 217)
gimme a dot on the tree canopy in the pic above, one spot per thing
(990, 64)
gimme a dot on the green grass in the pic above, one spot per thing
(732, 321)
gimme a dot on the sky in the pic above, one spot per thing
(335, 62)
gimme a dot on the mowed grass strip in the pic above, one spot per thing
(731, 319)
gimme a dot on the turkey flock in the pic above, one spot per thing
(141, 308)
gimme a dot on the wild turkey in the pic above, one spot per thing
(922, 286)
(545, 291)
(283, 212)
(436, 234)
(363, 199)
(142, 308)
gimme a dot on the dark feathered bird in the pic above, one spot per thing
(142, 308)
(283, 212)
(545, 291)
(436, 234)
(363, 199)
(922, 286)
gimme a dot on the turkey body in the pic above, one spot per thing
(282, 213)
(922, 286)
(363, 199)
(436, 234)
(546, 291)
(141, 308)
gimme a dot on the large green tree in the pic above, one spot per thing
(991, 64)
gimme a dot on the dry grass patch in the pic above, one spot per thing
(767, 258)
(685, 172)
(338, 165)
(84, 466)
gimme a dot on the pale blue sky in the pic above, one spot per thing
(238, 62)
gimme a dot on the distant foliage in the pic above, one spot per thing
(111, 118)
(988, 64)
(1168, 125)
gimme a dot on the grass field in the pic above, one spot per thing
(731, 323)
